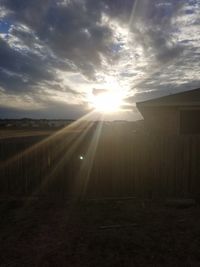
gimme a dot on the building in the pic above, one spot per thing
(173, 114)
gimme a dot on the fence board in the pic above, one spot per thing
(123, 165)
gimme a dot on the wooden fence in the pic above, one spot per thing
(113, 164)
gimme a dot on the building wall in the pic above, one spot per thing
(190, 120)
(161, 120)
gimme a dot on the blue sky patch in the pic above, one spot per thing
(4, 26)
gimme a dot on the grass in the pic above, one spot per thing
(49, 233)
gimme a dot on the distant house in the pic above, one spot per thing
(34, 124)
(173, 114)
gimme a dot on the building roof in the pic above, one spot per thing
(186, 98)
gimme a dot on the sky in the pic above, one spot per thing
(55, 54)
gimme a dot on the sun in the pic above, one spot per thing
(107, 102)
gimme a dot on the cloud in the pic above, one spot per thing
(97, 92)
(61, 50)
(153, 27)
(55, 110)
(19, 70)
(73, 30)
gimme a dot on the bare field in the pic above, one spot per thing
(21, 133)
(101, 233)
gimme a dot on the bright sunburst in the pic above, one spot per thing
(107, 102)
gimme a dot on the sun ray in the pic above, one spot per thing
(67, 153)
(85, 170)
(53, 137)
(65, 157)
(132, 16)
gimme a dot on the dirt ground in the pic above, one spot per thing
(41, 232)
(19, 133)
